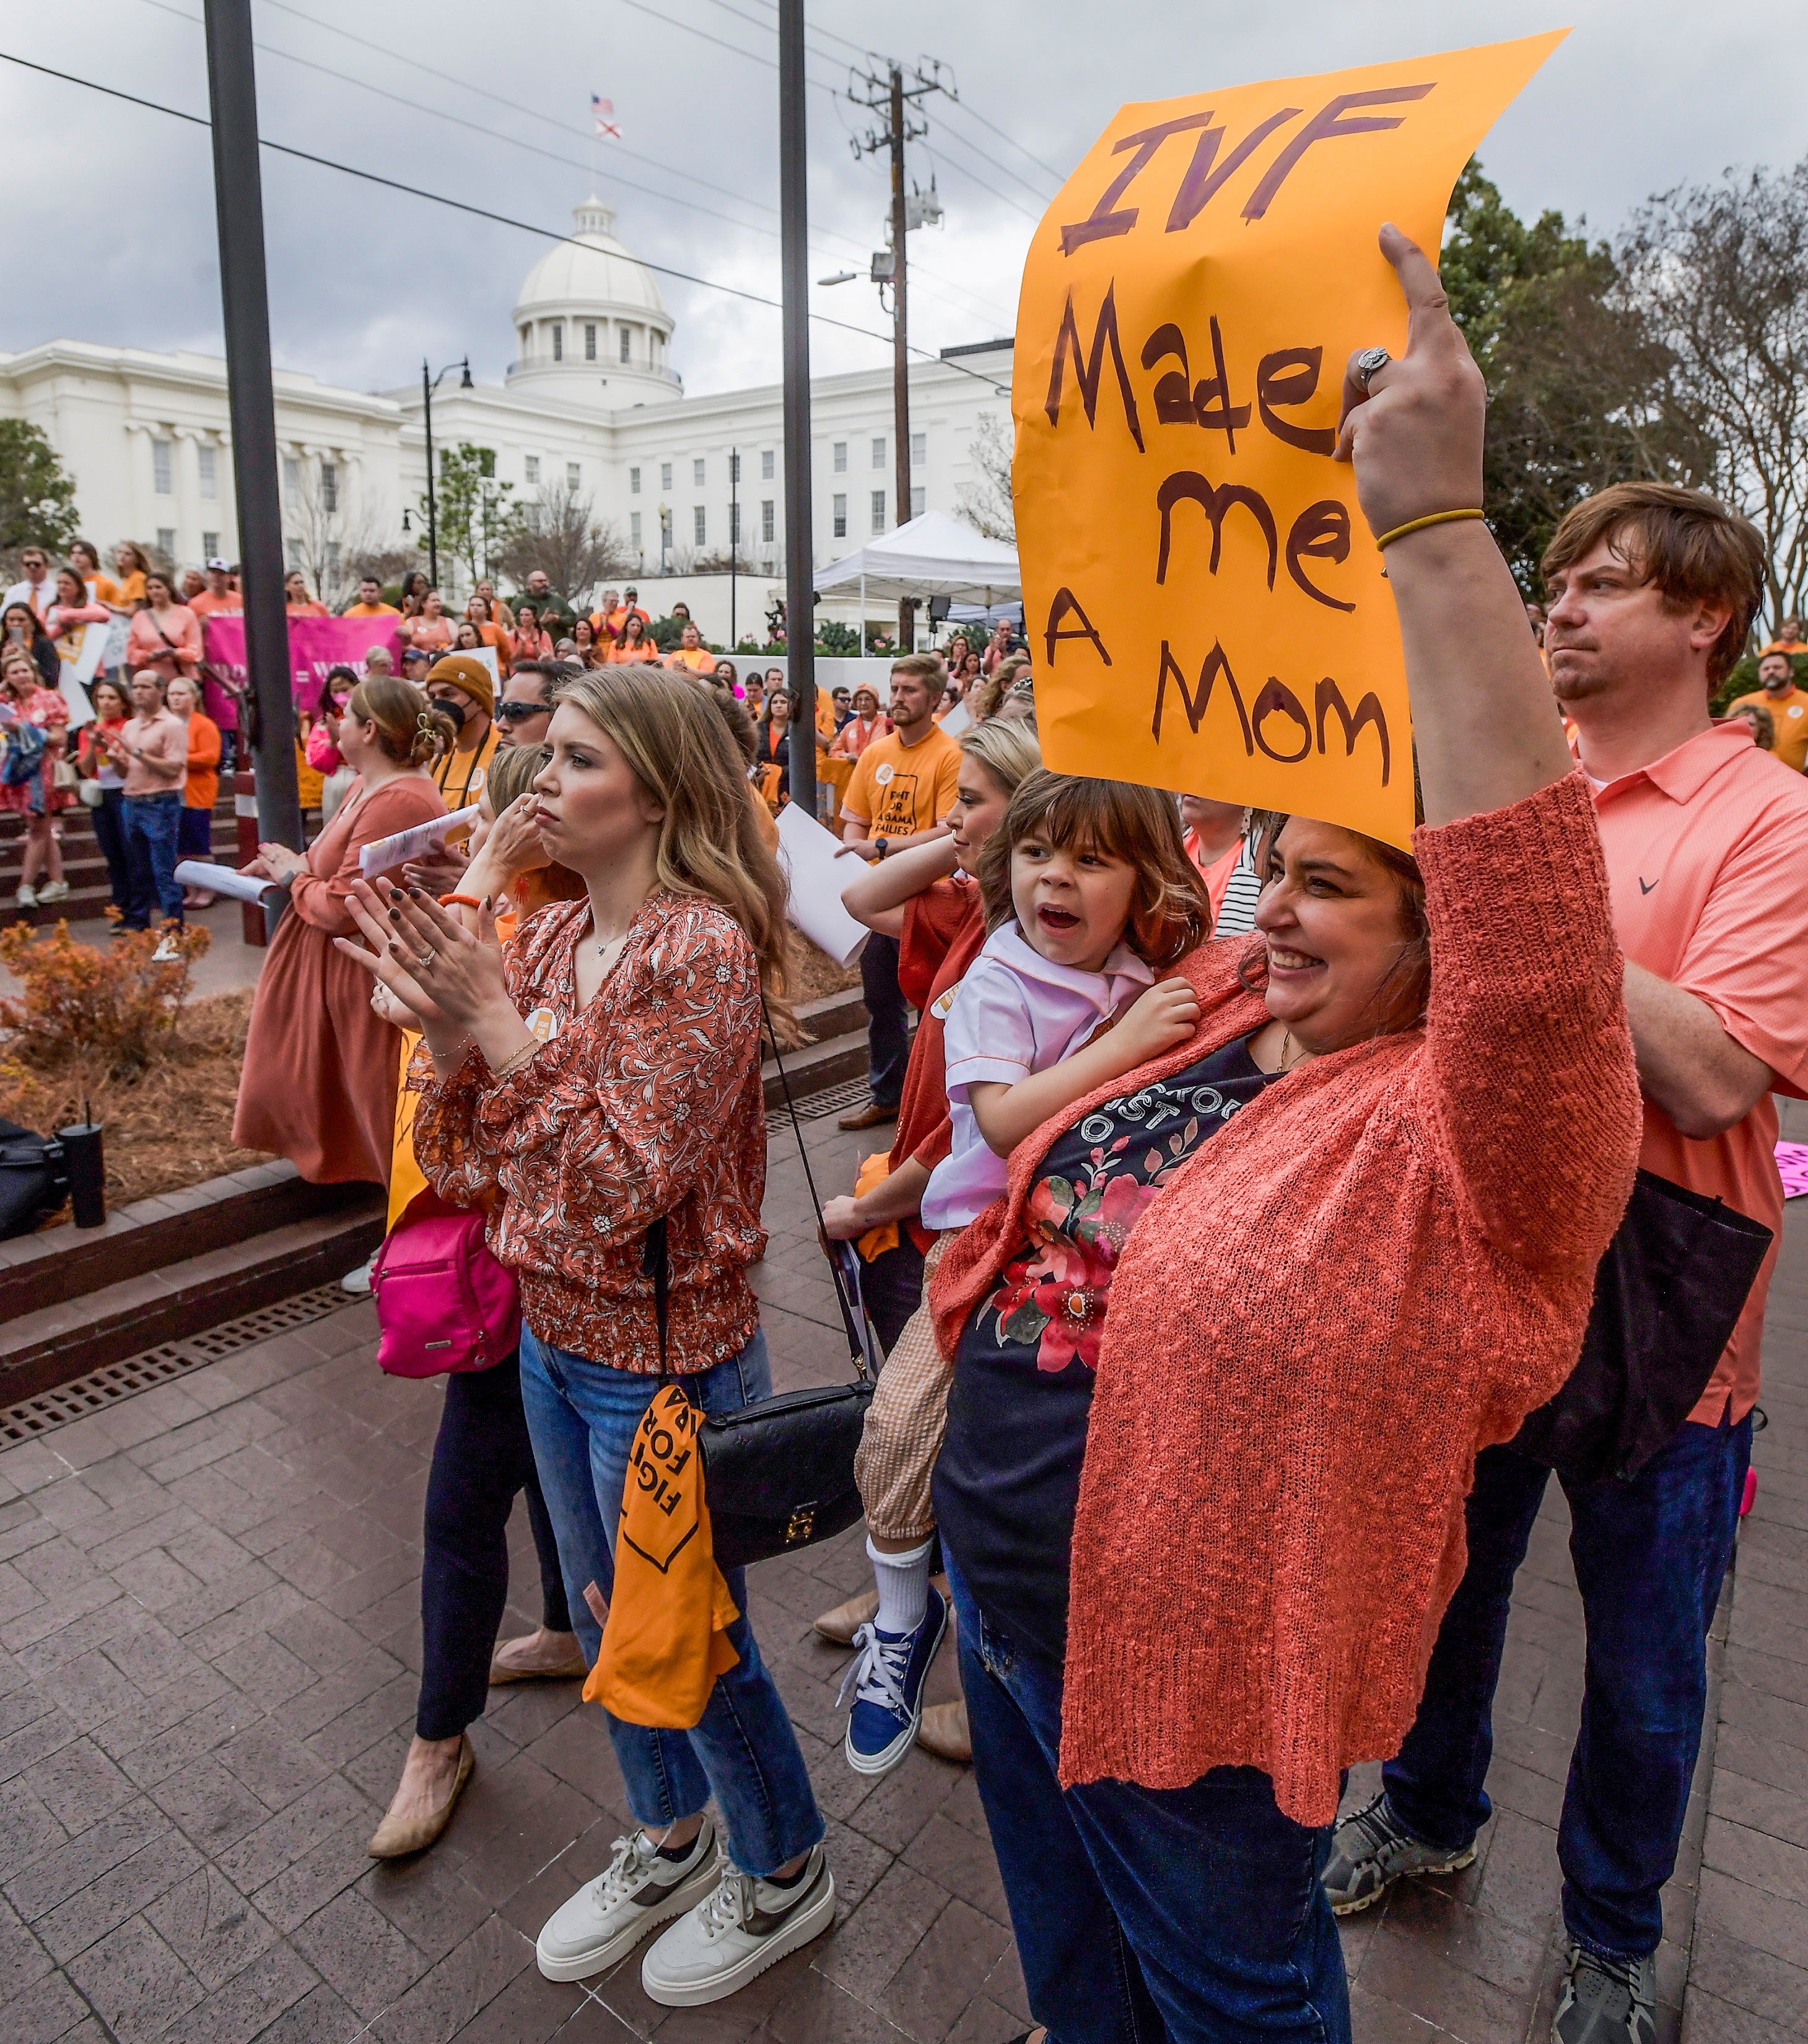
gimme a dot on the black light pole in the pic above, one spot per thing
(427, 390)
(800, 546)
(244, 295)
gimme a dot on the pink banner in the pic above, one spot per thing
(315, 644)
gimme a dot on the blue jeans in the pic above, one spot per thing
(109, 821)
(1190, 1915)
(1649, 1557)
(581, 1417)
(152, 824)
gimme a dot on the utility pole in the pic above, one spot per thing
(896, 99)
(799, 544)
(244, 295)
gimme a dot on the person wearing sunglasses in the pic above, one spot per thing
(526, 708)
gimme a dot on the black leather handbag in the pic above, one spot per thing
(1668, 1294)
(778, 1474)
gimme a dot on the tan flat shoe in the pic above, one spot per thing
(943, 1732)
(574, 1668)
(842, 1623)
(395, 1838)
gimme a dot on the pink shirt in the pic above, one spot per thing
(169, 643)
(1014, 1013)
(1707, 873)
(162, 737)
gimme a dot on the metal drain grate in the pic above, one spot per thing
(34, 1417)
(832, 1100)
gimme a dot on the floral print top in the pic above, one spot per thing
(1008, 1478)
(646, 1102)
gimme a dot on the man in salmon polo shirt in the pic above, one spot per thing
(1706, 838)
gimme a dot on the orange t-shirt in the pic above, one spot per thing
(1789, 714)
(201, 789)
(208, 604)
(372, 610)
(899, 790)
(1707, 872)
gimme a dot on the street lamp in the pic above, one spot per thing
(427, 389)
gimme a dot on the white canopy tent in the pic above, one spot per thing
(932, 555)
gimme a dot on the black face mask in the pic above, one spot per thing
(453, 709)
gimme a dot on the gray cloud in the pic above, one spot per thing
(116, 204)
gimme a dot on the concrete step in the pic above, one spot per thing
(54, 1265)
(837, 1024)
(56, 1343)
(84, 865)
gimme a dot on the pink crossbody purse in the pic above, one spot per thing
(443, 1301)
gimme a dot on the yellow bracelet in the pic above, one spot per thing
(1420, 525)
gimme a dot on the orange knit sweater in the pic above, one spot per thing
(1374, 1270)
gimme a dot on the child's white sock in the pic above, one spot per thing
(903, 1587)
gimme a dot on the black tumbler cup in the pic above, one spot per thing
(82, 1160)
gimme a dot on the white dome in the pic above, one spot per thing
(590, 326)
(592, 273)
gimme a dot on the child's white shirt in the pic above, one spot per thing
(1013, 1013)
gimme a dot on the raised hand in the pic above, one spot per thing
(1414, 431)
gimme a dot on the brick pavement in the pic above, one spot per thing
(208, 1643)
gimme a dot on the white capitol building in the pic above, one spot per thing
(590, 404)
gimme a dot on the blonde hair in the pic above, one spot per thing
(1170, 912)
(677, 746)
(409, 729)
(512, 772)
(986, 694)
(1010, 752)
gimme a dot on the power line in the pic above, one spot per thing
(943, 284)
(482, 213)
(991, 127)
(677, 21)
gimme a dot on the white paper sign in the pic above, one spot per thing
(959, 719)
(224, 880)
(807, 852)
(392, 851)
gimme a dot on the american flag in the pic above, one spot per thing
(603, 111)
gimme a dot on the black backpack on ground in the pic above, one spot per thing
(33, 1183)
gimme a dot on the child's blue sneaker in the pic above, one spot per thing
(887, 1678)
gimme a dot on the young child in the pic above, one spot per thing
(1089, 895)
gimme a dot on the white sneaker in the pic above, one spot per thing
(609, 1916)
(27, 896)
(744, 1926)
(358, 1282)
(54, 890)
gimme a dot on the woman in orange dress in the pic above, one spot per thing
(319, 1085)
(298, 599)
(634, 647)
(429, 630)
(478, 612)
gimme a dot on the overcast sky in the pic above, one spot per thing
(490, 104)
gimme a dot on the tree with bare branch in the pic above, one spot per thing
(1722, 271)
(330, 530)
(1582, 388)
(559, 532)
(985, 502)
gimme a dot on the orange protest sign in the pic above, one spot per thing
(1203, 601)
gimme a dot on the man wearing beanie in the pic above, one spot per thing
(461, 686)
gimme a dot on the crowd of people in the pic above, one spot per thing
(1247, 1183)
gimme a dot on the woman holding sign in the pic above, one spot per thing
(1362, 1202)
(319, 1085)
